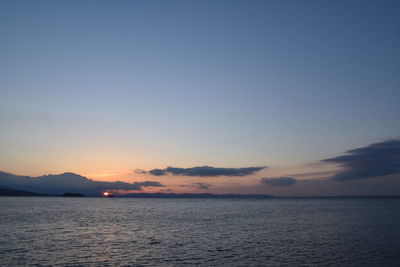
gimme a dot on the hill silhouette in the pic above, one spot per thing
(67, 182)
(6, 191)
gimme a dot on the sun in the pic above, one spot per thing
(106, 194)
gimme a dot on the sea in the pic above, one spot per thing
(56, 231)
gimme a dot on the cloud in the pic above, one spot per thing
(280, 181)
(206, 171)
(198, 185)
(313, 174)
(166, 190)
(148, 184)
(139, 171)
(374, 160)
(68, 182)
(203, 185)
(158, 172)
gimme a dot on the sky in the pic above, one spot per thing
(115, 89)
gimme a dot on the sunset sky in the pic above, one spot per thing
(121, 90)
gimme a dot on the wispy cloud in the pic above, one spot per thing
(313, 174)
(139, 171)
(197, 185)
(203, 185)
(206, 171)
(278, 181)
(166, 190)
(374, 160)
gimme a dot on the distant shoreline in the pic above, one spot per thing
(207, 196)
(10, 192)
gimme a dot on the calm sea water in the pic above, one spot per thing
(36, 231)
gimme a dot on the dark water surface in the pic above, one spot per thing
(40, 231)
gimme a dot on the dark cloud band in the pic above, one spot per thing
(206, 171)
(375, 160)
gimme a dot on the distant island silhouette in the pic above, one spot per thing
(192, 195)
(73, 195)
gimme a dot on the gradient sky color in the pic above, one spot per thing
(101, 88)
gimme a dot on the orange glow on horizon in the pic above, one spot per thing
(106, 194)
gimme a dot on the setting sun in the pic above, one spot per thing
(106, 194)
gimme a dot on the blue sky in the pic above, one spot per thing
(98, 86)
